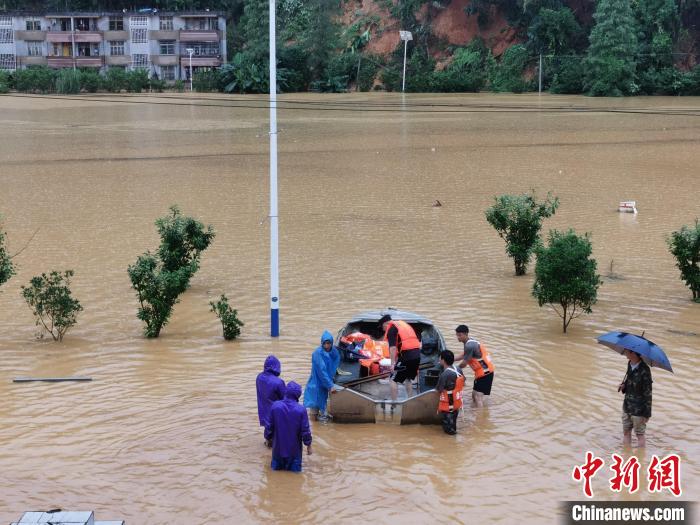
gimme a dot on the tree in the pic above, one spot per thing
(228, 317)
(553, 31)
(518, 221)
(610, 64)
(157, 290)
(160, 279)
(684, 245)
(508, 75)
(565, 275)
(182, 240)
(7, 268)
(50, 299)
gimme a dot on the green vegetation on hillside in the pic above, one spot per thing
(626, 47)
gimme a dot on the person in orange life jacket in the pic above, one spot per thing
(404, 347)
(477, 358)
(449, 386)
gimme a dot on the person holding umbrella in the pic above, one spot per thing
(636, 407)
(636, 385)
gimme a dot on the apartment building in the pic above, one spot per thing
(167, 44)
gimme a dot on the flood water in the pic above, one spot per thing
(167, 431)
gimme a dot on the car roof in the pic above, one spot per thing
(399, 315)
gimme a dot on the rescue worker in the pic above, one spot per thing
(449, 386)
(324, 362)
(404, 347)
(636, 407)
(270, 388)
(477, 358)
(287, 429)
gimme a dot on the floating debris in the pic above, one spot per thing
(50, 379)
(63, 517)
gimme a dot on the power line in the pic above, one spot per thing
(437, 108)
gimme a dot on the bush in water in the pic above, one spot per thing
(90, 80)
(68, 82)
(39, 79)
(228, 317)
(518, 221)
(115, 80)
(7, 269)
(565, 275)
(50, 299)
(684, 245)
(137, 80)
(160, 279)
(179, 86)
(157, 290)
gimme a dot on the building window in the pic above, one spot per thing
(61, 24)
(139, 60)
(201, 49)
(88, 50)
(139, 36)
(166, 23)
(33, 24)
(6, 21)
(167, 47)
(202, 24)
(116, 48)
(62, 50)
(85, 24)
(7, 61)
(6, 36)
(35, 48)
(116, 23)
(138, 21)
(167, 72)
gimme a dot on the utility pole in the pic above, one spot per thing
(540, 74)
(274, 232)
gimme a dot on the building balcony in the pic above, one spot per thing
(118, 60)
(165, 60)
(200, 61)
(163, 35)
(30, 35)
(77, 36)
(89, 61)
(116, 35)
(187, 35)
(33, 61)
(59, 62)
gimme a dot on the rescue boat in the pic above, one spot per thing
(364, 375)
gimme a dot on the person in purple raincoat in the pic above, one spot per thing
(288, 428)
(270, 388)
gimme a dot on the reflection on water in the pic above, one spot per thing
(167, 431)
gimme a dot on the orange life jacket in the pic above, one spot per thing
(407, 338)
(451, 400)
(483, 365)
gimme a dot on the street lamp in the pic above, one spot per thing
(190, 51)
(405, 36)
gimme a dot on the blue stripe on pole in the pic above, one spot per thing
(275, 322)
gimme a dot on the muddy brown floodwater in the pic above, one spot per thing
(167, 431)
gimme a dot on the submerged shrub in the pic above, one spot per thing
(518, 221)
(68, 82)
(7, 268)
(160, 279)
(684, 245)
(49, 297)
(565, 275)
(228, 317)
